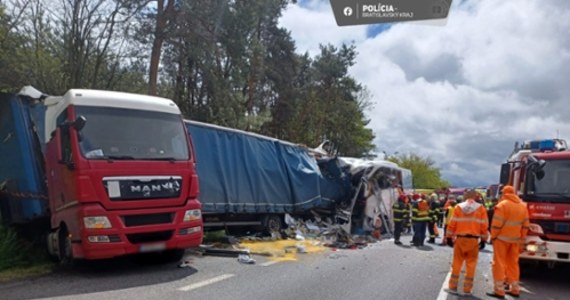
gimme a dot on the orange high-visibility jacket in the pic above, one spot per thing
(469, 219)
(510, 220)
(420, 211)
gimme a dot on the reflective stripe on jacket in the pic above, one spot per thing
(510, 220)
(469, 218)
(400, 211)
(420, 211)
(434, 211)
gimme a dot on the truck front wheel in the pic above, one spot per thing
(65, 247)
(173, 255)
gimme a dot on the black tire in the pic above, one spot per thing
(272, 223)
(65, 248)
(174, 255)
(159, 258)
(53, 258)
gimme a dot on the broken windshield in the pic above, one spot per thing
(555, 185)
(128, 134)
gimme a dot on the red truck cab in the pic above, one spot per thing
(540, 173)
(121, 176)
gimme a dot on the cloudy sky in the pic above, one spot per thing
(463, 93)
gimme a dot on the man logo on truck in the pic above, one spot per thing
(147, 189)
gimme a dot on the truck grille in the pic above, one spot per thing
(148, 219)
(142, 187)
(148, 237)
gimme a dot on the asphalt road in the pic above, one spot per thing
(380, 271)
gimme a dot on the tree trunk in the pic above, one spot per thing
(162, 15)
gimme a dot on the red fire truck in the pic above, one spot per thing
(540, 173)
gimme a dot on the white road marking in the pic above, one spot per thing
(269, 263)
(205, 282)
(442, 293)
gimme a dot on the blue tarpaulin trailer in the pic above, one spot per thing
(247, 179)
(21, 160)
(242, 172)
(250, 179)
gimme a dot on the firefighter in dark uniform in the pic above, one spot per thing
(420, 218)
(401, 214)
(434, 214)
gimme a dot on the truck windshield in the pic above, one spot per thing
(128, 134)
(555, 185)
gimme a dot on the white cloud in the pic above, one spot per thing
(313, 24)
(462, 94)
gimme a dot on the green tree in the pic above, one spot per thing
(217, 60)
(425, 174)
(58, 45)
(16, 55)
(330, 104)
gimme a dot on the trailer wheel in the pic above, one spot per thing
(272, 223)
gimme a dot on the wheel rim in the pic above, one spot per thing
(273, 224)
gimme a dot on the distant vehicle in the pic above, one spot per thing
(493, 191)
(540, 173)
(456, 191)
(101, 173)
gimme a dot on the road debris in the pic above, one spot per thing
(214, 251)
(246, 259)
(185, 264)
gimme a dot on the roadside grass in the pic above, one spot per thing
(214, 236)
(20, 258)
(23, 272)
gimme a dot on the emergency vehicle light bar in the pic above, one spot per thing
(546, 145)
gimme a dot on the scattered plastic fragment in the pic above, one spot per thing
(246, 259)
(185, 264)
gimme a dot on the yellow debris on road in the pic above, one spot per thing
(283, 250)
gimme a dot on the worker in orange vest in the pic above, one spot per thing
(508, 231)
(468, 227)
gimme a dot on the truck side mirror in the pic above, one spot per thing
(79, 123)
(539, 174)
(537, 164)
(505, 173)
